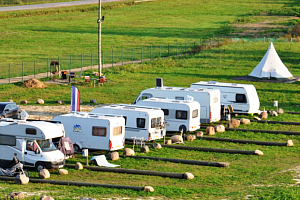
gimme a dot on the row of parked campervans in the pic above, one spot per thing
(155, 111)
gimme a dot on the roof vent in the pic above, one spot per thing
(213, 82)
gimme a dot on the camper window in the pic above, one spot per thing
(117, 131)
(31, 145)
(181, 114)
(99, 131)
(31, 131)
(155, 122)
(46, 145)
(7, 140)
(179, 98)
(241, 98)
(195, 113)
(166, 111)
(140, 122)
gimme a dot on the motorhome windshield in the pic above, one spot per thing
(46, 145)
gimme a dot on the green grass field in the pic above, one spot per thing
(39, 34)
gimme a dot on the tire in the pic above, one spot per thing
(182, 129)
(39, 166)
(76, 148)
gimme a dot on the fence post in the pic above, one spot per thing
(34, 68)
(132, 55)
(47, 66)
(112, 59)
(92, 60)
(22, 71)
(70, 62)
(142, 55)
(9, 73)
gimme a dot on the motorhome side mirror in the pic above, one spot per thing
(37, 151)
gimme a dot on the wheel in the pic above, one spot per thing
(26, 173)
(182, 129)
(76, 148)
(39, 166)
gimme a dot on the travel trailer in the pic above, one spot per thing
(31, 143)
(242, 97)
(94, 131)
(141, 122)
(180, 115)
(209, 99)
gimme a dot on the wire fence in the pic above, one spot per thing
(19, 71)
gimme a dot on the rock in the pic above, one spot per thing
(148, 189)
(128, 152)
(199, 134)
(44, 197)
(256, 118)
(168, 142)
(189, 137)
(60, 102)
(224, 164)
(188, 176)
(210, 130)
(78, 166)
(156, 146)
(273, 114)
(280, 111)
(63, 171)
(177, 138)
(21, 179)
(244, 121)
(40, 101)
(113, 156)
(194, 137)
(23, 102)
(10, 100)
(219, 128)
(258, 152)
(44, 174)
(263, 115)
(145, 149)
(234, 123)
(93, 101)
(289, 143)
(15, 195)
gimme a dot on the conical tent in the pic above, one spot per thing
(271, 67)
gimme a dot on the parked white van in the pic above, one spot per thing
(94, 131)
(180, 115)
(242, 97)
(31, 143)
(141, 122)
(209, 99)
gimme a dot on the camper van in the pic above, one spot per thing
(94, 131)
(141, 122)
(242, 97)
(31, 143)
(180, 115)
(209, 99)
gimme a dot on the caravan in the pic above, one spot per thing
(209, 100)
(31, 143)
(94, 131)
(242, 97)
(180, 115)
(141, 122)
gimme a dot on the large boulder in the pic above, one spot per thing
(263, 115)
(219, 128)
(113, 156)
(63, 172)
(189, 137)
(156, 146)
(21, 179)
(15, 195)
(244, 121)
(40, 101)
(273, 114)
(44, 174)
(148, 189)
(280, 111)
(210, 130)
(168, 142)
(128, 152)
(44, 197)
(188, 176)
(145, 149)
(199, 134)
(78, 166)
(234, 123)
(177, 139)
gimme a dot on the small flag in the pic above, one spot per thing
(75, 99)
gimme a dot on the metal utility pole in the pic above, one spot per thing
(99, 40)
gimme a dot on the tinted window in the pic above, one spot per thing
(179, 98)
(241, 98)
(166, 111)
(31, 131)
(7, 140)
(153, 122)
(99, 131)
(140, 122)
(181, 114)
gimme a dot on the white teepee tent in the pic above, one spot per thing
(271, 67)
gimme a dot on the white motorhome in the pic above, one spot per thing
(94, 131)
(31, 143)
(209, 99)
(242, 97)
(180, 115)
(141, 122)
